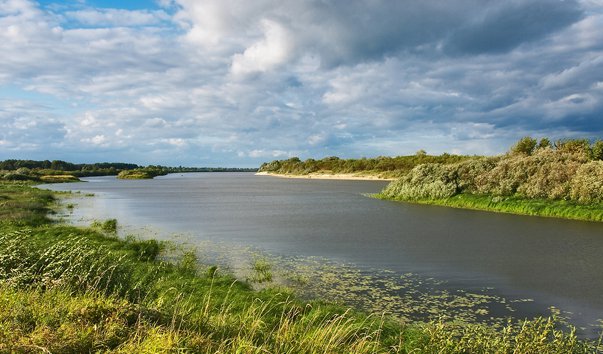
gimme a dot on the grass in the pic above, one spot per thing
(59, 178)
(71, 290)
(261, 271)
(109, 225)
(517, 205)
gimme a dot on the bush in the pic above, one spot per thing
(468, 171)
(587, 184)
(552, 173)
(431, 180)
(574, 146)
(565, 172)
(506, 177)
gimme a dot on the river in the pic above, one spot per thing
(553, 262)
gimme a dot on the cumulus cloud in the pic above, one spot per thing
(237, 82)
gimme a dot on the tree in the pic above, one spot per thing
(524, 146)
(574, 146)
(544, 143)
(597, 150)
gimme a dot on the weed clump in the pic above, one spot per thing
(109, 225)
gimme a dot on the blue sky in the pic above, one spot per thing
(238, 82)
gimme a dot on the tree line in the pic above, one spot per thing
(395, 166)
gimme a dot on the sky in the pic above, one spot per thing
(239, 82)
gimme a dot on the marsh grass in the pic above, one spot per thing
(70, 290)
(261, 270)
(108, 226)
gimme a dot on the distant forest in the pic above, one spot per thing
(58, 165)
(36, 170)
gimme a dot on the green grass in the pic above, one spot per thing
(22, 205)
(261, 271)
(71, 290)
(109, 225)
(517, 205)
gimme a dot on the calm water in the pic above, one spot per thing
(555, 262)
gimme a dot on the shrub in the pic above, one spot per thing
(587, 184)
(430, 180)
(550, 178)
(574, 146)
(545, 173)
(506, 177)
(468, 171)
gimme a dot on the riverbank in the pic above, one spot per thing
(514, 205)
(334, 176)
(67, 289)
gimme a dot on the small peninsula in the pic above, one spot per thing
(562, 179)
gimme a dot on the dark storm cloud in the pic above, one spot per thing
(510, 24)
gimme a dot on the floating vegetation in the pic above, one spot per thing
(409, 297)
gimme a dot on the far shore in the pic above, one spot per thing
(337, 176)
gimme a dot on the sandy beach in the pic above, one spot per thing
(338, 176)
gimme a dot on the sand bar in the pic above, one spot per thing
(338, 176)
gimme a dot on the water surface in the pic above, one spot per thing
(555, 262)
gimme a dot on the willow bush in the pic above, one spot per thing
(587, 185)
(569, 171)
(429, 180)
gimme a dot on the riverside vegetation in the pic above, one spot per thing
(70, 290)
(564, 179)
(533, 178)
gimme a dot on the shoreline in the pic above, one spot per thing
(326, 176)
(558, 209)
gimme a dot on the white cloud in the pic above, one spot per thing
(267, 154)
(266, 54)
